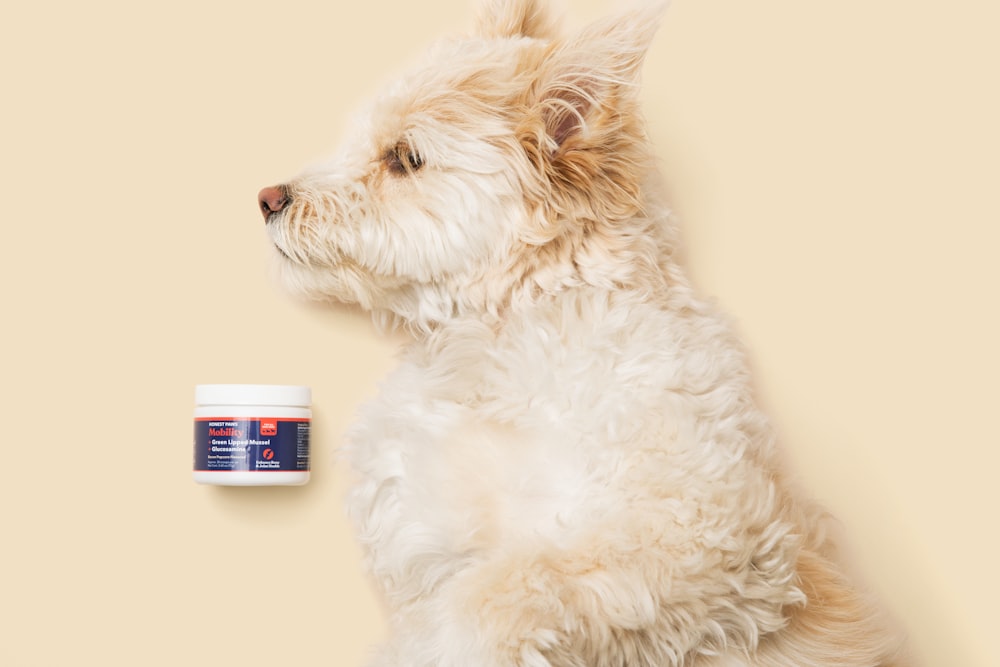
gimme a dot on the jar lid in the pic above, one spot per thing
(252, 394)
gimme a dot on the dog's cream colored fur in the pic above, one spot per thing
(568, 467)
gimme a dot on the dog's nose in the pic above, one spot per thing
(273, 200)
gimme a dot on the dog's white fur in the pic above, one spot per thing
(568, 467)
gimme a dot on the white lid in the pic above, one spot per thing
(252, 394)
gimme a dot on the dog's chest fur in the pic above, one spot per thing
(487, 437)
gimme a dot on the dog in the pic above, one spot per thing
(568, 467)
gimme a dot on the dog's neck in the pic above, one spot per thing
(637, 256)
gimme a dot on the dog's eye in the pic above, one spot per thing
(401, 159)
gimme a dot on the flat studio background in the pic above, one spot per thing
(835, 170)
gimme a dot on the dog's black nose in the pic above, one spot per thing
(272, 200)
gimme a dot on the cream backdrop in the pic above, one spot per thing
(835, 168)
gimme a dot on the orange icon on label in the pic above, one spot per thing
(268, 427)
(267, 454)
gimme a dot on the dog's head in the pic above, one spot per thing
(510, 163)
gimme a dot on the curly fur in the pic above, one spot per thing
(567, 468)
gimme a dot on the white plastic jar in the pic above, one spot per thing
(251, 434)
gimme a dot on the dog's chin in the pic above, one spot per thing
(285, 261)
(291, 259)
(336, 283)
(295, 277)
(282, 255)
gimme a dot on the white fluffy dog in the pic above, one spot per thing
(568, 467)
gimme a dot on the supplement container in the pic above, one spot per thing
(251, 434)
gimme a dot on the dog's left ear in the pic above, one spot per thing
(515, 18)
(588, 78)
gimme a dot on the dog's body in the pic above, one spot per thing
(568, 467)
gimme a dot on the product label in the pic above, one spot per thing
(251, 444)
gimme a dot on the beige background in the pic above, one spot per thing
(835, 166)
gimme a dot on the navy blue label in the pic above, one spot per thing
(253, 444)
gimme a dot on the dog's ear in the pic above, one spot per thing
(587, 78)
(515, 18)
(583, 131)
